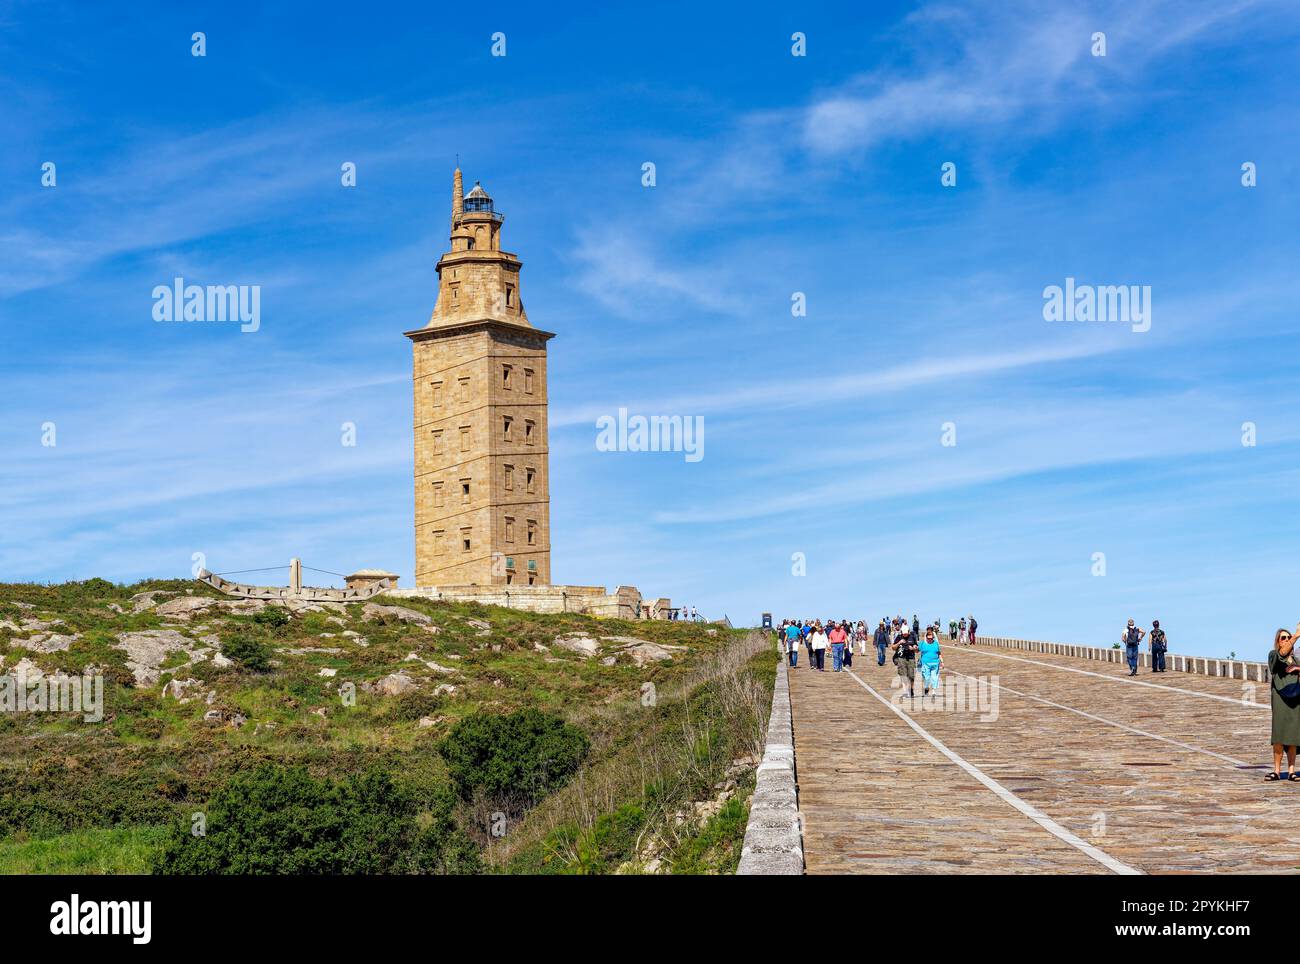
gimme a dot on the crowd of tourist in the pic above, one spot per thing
(911, 648)
(906, 644)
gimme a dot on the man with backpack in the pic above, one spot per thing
(970, 641)
(1131, 639)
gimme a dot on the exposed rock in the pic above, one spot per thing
(609, 661)
(299, 606)
(114, 607)
(147, 600)
(584, 646)
(438, 668)
(394, 684)
(541, 648)
(12, 627)
(46, 643)
(222, 660)
(184, 607)
(147, 650)
(336, 620)
(648, 653)
(426, 722)
(39, 625)
(219, 716)
(479, 624)
(25, 668)
(23, 605)
(176, 688)
(711, 632)
(373, 611)
(327, 671)
(350, 634)
(443, 689)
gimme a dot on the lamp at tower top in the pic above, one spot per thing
(478, 200)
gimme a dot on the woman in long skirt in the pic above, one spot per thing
(1285, 671)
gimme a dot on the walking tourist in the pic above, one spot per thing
(931, 662)
(837, 637)
(952, 629)
(1131, 639)
(881, 640)
(1158, 647)
(970, 640)
(792, 639)
(817, 640)
(1284, 694)
(905, 659)
(961, 631)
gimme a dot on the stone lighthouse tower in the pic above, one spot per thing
(482, 496)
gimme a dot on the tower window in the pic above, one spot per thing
(528, 381)
(464, 438)
(510, 477)
(529, 476)
(532, 580)
(532, 532)
(506, 372)
(464, 491)
(437, 495)
(463, 386)
(529, 425)
(437, 441)
(532, 565)
(437, 393)
(506, 423)
(465, 539)
(455, 293)
(510, 296)
(510, 530)
(438, 546)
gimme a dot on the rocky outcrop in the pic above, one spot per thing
(146, 651)
(46, 642)
(383, 614)
(584, 646)
(394, 684)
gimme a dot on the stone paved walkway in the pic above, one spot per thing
(1056, 781)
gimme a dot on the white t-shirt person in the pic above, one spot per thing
(818, 639)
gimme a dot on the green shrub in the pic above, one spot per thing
(514, 759)
(248, 653)
(272, 617)
(281, 820)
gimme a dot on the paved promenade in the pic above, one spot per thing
(1076, 768)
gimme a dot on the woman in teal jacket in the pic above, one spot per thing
(931, 663)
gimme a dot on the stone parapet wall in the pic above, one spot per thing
(623, 603)
(1199, 665)
(774, 836)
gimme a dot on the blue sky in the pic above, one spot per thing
(775, 174)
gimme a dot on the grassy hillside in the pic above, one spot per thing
(498, 740)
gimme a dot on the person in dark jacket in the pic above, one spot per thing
(1285, 672)
(1158, 647)
(881, 639)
